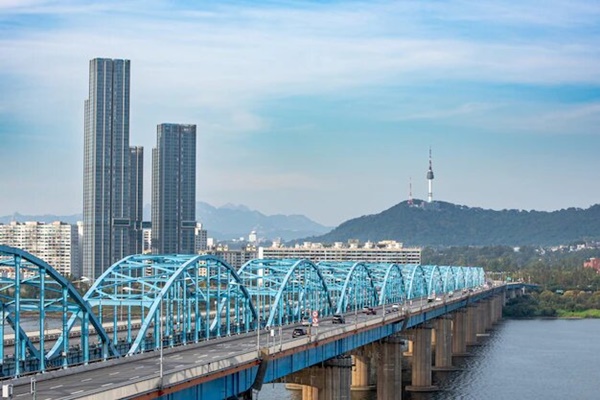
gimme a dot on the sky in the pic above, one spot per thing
(321, 108)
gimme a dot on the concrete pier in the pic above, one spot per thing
(443, 348)
(389, 369)
(360, 371)
(421, 360)
(459, 333)
(329, 381)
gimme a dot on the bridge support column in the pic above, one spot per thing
(443, 347)
(389, 369)
(360, 371)
(471, 331)
(421, 361)
(331, 381)
(483, 316)
(459, 333)
(499, 304)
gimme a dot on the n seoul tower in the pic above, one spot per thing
(430, 179)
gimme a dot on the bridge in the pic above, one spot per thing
(190, 326)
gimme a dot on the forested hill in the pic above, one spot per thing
(447, 224)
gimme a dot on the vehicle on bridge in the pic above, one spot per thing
(369, 311)
(338, 319)
(299, 332)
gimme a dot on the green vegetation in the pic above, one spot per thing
(567, 289)
(570, 304)
(447, 224)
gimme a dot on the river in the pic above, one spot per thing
(521, 359)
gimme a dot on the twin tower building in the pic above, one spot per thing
(113, 177)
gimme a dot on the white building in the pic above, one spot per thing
(56, 243)
(201, 238)
(387, 251)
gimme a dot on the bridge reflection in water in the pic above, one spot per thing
(192, 305)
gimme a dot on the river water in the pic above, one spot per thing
(521, 359)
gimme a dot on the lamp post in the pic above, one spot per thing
(258, 325)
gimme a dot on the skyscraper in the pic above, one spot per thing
(106, 174)
(174, 189)
(137, 199)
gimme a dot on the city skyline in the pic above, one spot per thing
(322, 109)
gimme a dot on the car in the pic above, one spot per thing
(450, 293)
(369, 311)
(305, 322)
(338, 319)
(299, 332)
(395, 307)
(430, 299)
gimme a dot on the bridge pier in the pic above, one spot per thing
(459, 333)
(329, 381)
(443, 347)
(389, 368)
(421, 360)
(360, 371)
(471, 327)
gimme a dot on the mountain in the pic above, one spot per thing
(447, 224)
(227, 222)
(234, 221)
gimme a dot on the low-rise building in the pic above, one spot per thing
(387, 251)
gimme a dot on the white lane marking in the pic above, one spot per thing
(107, 384)
(230, 353)
(22, 394)
(203, 355)
(176, 356)
(79, 391)
(135, 377)
(196, 354)
(56, 387)
(86, 380)
(215, 356)
(114, 373)
(140, 367)
(211, 350)
(198, 361)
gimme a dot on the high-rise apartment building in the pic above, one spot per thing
(137, 199)
(56, 243)
(107, 196)
(174, 189)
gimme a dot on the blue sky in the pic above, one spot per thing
(326, 109)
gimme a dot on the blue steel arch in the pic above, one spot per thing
(435, 284)
(416, 281)
(358, 288)
(174, 297)
(286, 290)
(36, 288)
(449, 278)
(389, 282)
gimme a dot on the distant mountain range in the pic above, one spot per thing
(226, 222)
(231, 221)
(447, 224)
(439, 224)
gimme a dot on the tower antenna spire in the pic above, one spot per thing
(410, 198)
(430, 179)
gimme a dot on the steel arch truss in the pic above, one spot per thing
(389, 283)
(286, 291)
(31, 292)
(415, 281)
(170, 299)
(352, 284)
(435, 283)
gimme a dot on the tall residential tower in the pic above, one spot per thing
(107, 209)
(174, 189)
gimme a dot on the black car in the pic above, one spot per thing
(338, 319)
(369, 310)
(298, 332)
